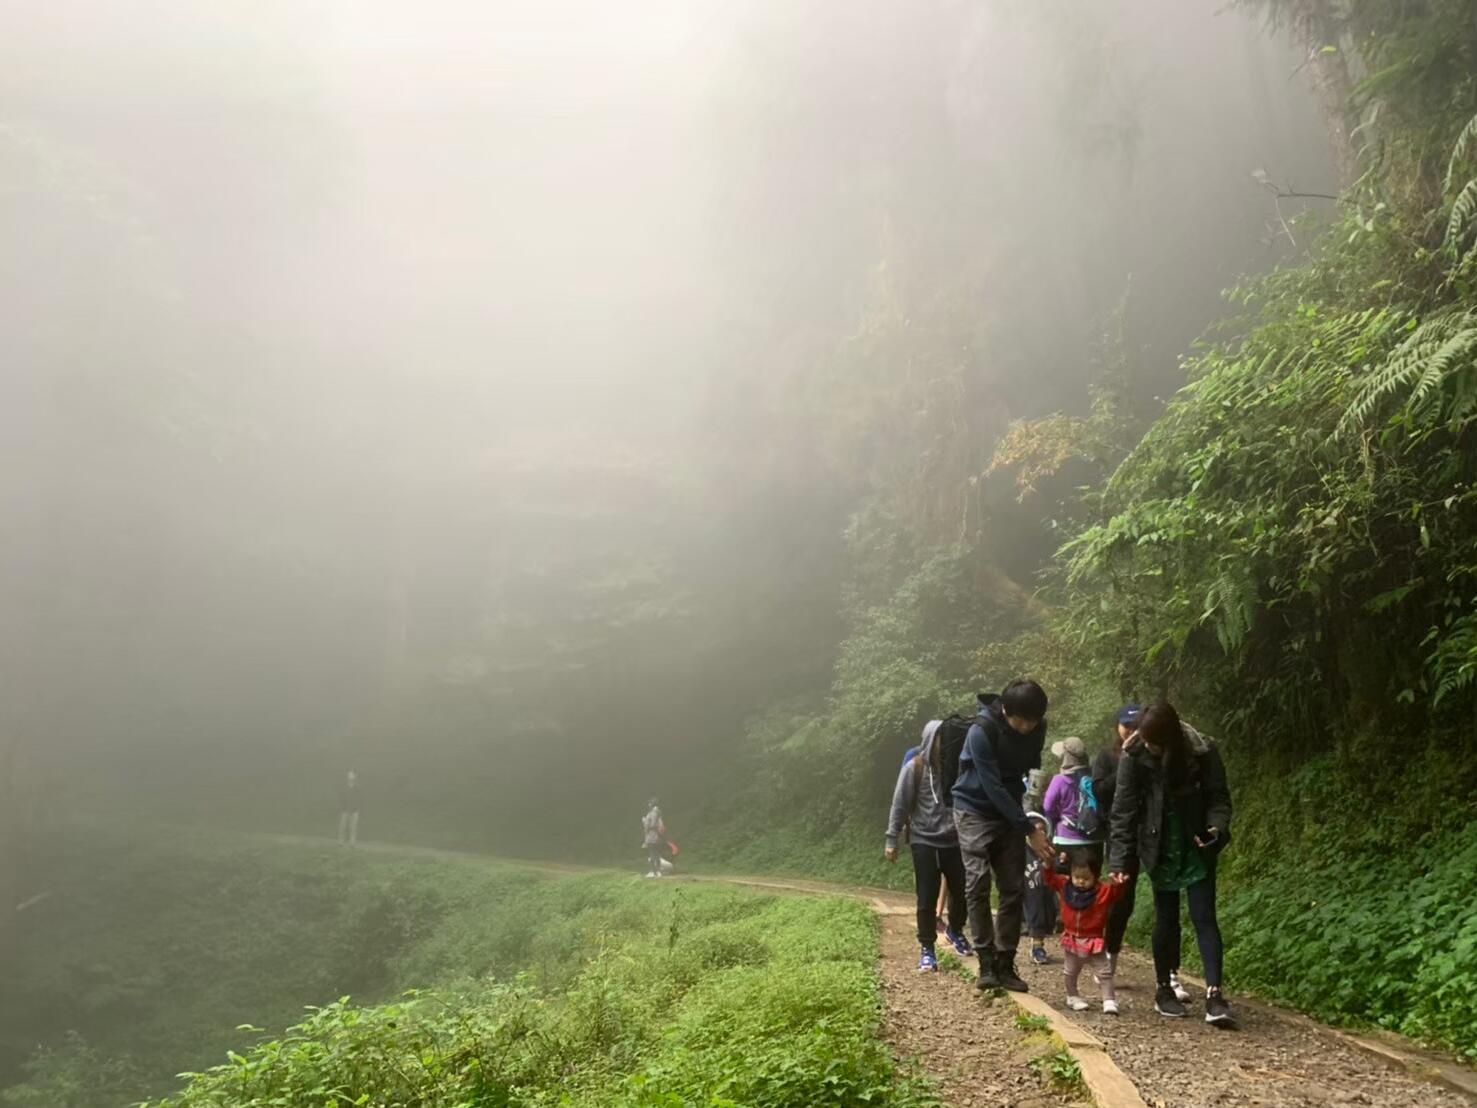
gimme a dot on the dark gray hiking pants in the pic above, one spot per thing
(993, 852)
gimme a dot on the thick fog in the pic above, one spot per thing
(475, 393)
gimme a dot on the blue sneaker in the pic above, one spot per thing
(959, 943)
(927, 963)
(1038, 955)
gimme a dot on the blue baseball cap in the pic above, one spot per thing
(1128, 715)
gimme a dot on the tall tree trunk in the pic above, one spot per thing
(1317, 30)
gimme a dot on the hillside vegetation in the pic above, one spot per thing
(536, 988)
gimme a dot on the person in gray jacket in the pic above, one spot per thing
(922, 805)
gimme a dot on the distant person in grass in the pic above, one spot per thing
(1105, 783)
(653, 837)
(1002, 746)
(349, 792)
(920, 807)
(1172, 818)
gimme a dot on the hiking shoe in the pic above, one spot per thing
(1038, 955)
(988, 978)
(1005, 971)
(927, 963)
(1217, 1011)
(1167, 1004)
(959, 943)
(1181, 993)
(1076, 1003)
(1110, 1007)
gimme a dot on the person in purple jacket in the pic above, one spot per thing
(1070, 826)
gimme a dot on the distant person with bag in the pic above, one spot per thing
(1172, 818)
(1105, 784)
(1002, 746)
(921, 806)
(653, 838)
(349, 794)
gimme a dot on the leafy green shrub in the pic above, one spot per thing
(593, 969)
(1059, 1070)
(636, 993)
(800, 1032)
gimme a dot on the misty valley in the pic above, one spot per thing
(738, 554)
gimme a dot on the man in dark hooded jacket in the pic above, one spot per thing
(1001, 748)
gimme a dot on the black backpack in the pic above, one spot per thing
(950, 739)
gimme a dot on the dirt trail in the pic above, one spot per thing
(1268, 1060)
(974, 1048)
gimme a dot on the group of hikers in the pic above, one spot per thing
(1153, 804)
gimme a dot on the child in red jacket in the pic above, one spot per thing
(1085, 901)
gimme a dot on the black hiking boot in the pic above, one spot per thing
(988, 978)
(1167, 1004)
(1005, 971)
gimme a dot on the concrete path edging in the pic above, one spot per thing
(1108, 1085)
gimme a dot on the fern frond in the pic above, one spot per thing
(1453, 662)
(1464, 142)
(1440, 365)
(1463, 212)
(1440, 347)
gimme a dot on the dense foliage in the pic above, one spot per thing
(592, 990)
(1294, 533)
(1288, 553)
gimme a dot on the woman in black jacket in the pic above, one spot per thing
(1105, 784)
(1171, 818)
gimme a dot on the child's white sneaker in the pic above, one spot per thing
(1110, 1007)
(1076, 1003)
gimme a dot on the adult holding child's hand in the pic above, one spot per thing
(1171, 819)
(1041, 846)
(1003, 745)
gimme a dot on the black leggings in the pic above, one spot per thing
(1201, 897)
(1119, 915)
(929, 862)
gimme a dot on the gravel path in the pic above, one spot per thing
(1267, 1062)
(970, 1045)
